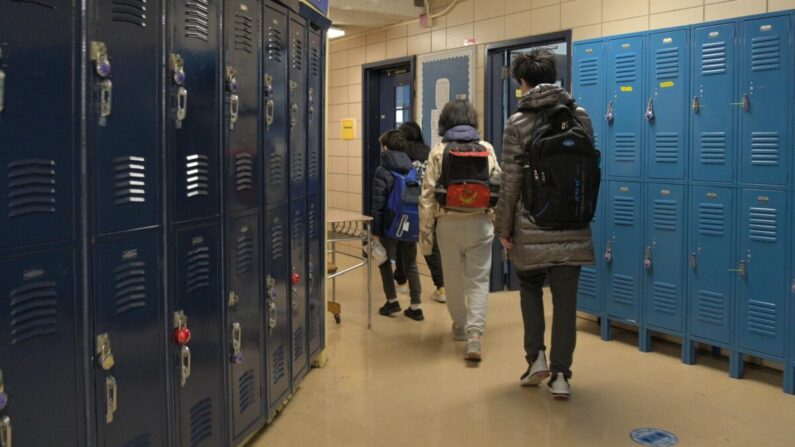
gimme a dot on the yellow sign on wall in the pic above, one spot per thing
(348, 129)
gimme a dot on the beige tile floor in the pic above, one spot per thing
(404, 383)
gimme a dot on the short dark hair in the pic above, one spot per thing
(393, 140)
(411, 131)
(457, 113)
(536, 67)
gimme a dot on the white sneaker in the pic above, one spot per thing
(536, 372)
(559, 387)
(473, 348)
(402, 289)
(439, 296)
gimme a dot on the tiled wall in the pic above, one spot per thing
(489, 21)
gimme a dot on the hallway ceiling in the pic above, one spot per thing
(355, 16)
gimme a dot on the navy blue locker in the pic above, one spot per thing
(39, 351)
(314, 277)
(664, 256)
(198, 361)
(667, 99)
(298, 288)
(624, 227)
(277, 261)
(194, 79)
(298, 104)
(316, 70)
(762, 272)
(590, 292)
(710, 261)
(275, 97)
(244, 326)
(589, 86)
(242, 100)
(766, 65)
(124, 114)
(713, 92)
(625, 107)
(130, 375)
(37, 162)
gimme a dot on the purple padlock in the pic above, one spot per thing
(179, 77)
(609, 256)
(234, 86)
(103, 68)
(3, 400)
(237, 358)
(647, 264)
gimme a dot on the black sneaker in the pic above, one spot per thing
(414, 314)
(389, 308)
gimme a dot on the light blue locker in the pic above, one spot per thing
(664, 256)
(625, 108)
(624, 224)
(765, 100)
(712, 92)
(762, 272)
(666, 101)
(590, 292)
(589, 86)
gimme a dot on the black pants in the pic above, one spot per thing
(406, 255)
(563, 282)
(434, 262)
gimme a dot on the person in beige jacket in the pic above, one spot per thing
(465, 238)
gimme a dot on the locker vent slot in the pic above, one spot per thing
(201, 422)
(763, 224)
(314, 62)
(624, 289)
(298, 343)
(129, 180)
(587, 282)
(244, 33)
(765, 148)
(762, 318)
(31, 187)
(244, 171)
(279, 365)
(711, 307)
(711, 219)
(274, 44)
(313, 165)
(277, 241)
(765, 53)
(624, 212)
(275, 169)
(625, 66)
(197, 172)
(667, 63)
(245, 388)
(312, 220)
(589, 71)
(713, 148)
(33, 311)
(143, 440)
(667, 147)
(198, 269)
(197, 19)
(297, 170)
(713, 58)
(665, 215)
(665, 298)
(298, 55)
(314, 326)
(298, 232)
(129, 11)
(130, 281)
(244, 255)
(626, 147)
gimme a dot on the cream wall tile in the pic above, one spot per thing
(355, 165)
(337, 45)
(357, 56)
(414, 28)
(355, 95)
(614, 10)
(355, 75)
(542, 3)
(338, 148)
(707, 2)
(439, 23)
(677, 18)
(586, 32)
(337, 112)
(487, 9)
(338, 165)
(481, 56)
(357, 41)
(439, 40)
(512, 6)
(339, 200)
(656, 6)
(376, 52)
(333, 130)
(463, 12)
(355, 184)
(338, 95)
(376, 37)
(397, 48)
(737, 8)
(626, 26)
(491, 30)
(457, 35)
(581, 13)
(519, 25)
(338, 78)
(546, 20)
(339, 60)
(355, 202)
(355, 147)
(338, 182)
(419, 44)
(396, 32)
(780, 5)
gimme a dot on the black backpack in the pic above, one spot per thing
(561, 174)
(465, 183)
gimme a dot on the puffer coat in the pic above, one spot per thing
(383, 182)
(533, 247)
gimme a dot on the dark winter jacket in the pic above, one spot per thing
(533, 247)
(383, 182)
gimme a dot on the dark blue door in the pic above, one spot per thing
(765, 86)
(276, 236)
(275, 91)
(625, 106)
(198, 363)
(712, 94)
(664, 256)
(298, 288)
(39, 350)
(624, 227)
(590, 293)
(298, 104)
(762, 271)
(315, 106)
(667, 90)
(314, 275)
(589, 86)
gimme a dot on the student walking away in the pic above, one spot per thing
(550, 183)
(458, 192)
(395, 209)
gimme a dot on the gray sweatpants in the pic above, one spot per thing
(465, 242)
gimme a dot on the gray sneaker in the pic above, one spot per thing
(459, 333)
(473, 348)
(559, 387)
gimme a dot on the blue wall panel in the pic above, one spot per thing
(625, 64)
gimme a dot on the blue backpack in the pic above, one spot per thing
(402, 215)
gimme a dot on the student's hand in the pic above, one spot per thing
(507, 244)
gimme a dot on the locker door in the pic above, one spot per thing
(124, 111)
(315, 278)
(713, 90)
(298, 105)
(763, 271)
(276, 279)
(39, 351)
(298, 288)
(198, 362)
(316, 70)
(244, 325)
(241, 87)
(589, 87)
(194, 85)
(275, 58)
(666, 81)
(37, 162)
(624, 231)
(764, 86)
(664, 256)
(590, 293)
(130, 376)
(625, 106)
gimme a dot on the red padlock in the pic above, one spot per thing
(295, 278)
(182, 335)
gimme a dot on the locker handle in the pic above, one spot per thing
(741, 269)
(105, 98)
(293, 115)
(269, 110)
(792, 287)
(696, 104)
(182, 106)
(609, 116)
(185, 364)
(111, 398)
(693, 261)
(311, 101)
(746, 103)
(271, 316)
(2, 89)
(647, 264)
(650, 110)
(105, 352)
(234, 110)
(609, 252)
(237, 344)
(5, 432)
